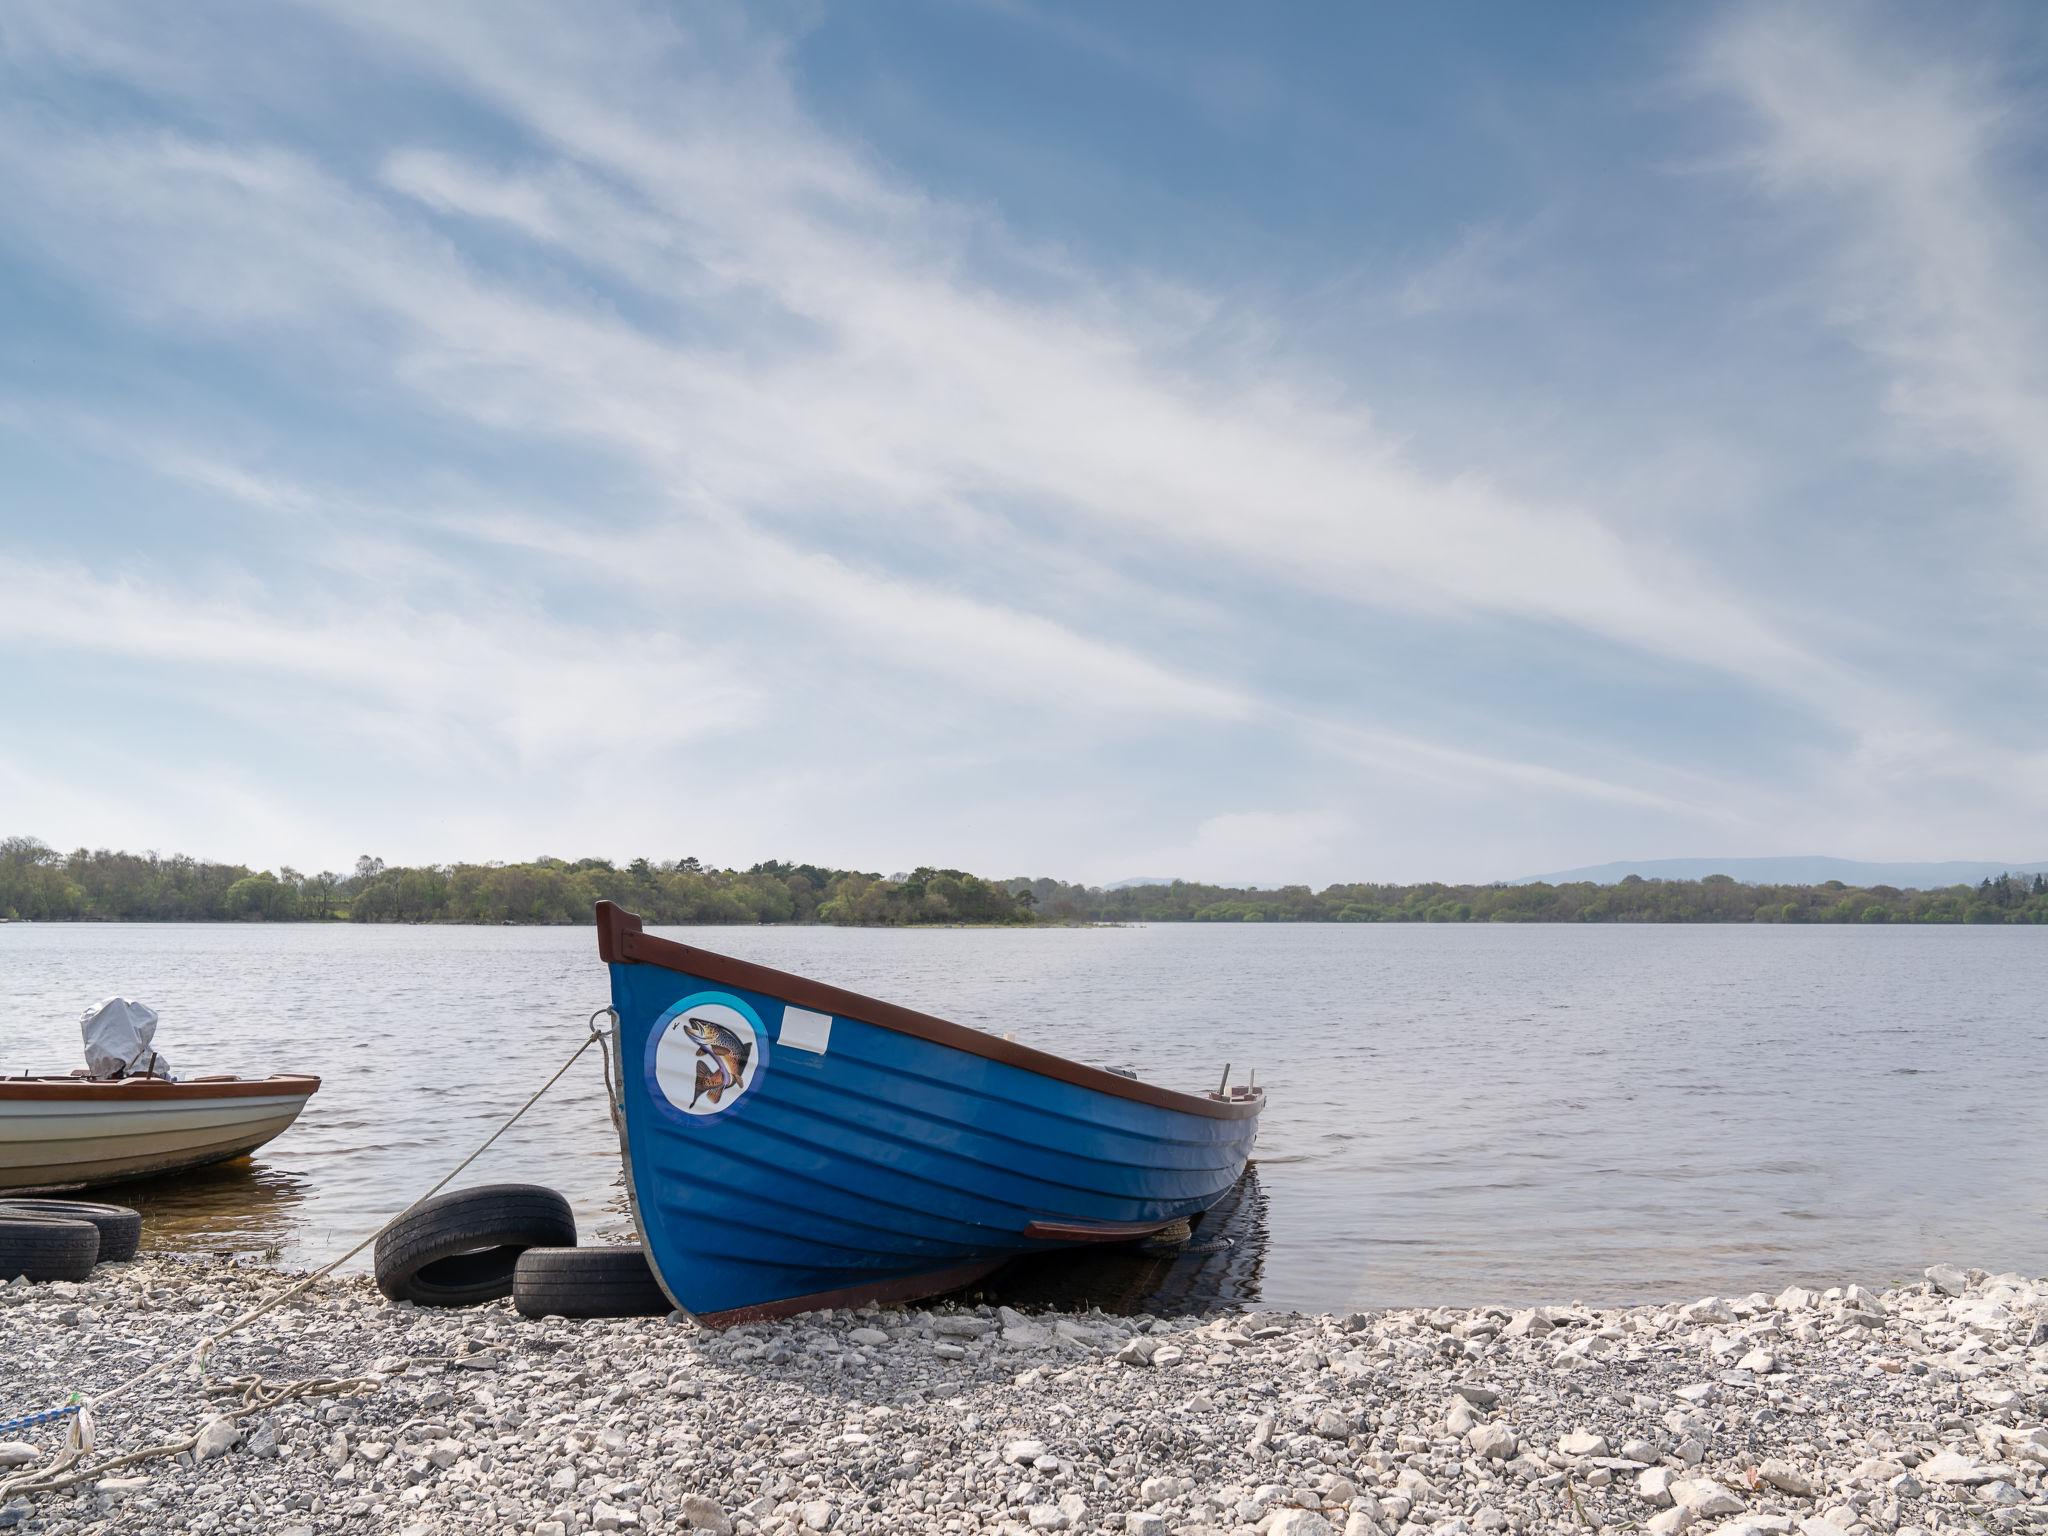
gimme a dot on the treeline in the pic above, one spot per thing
(1716, 899)
(38, 883)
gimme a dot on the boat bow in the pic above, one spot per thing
(791, 1144)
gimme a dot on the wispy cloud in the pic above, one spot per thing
(1911, 168)
(904, 384)
(714, 376)
(1476, 272)
(510, 679)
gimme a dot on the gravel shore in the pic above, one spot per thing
(1826, 1412)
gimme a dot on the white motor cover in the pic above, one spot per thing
(117, 1040)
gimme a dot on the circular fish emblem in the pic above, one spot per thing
(706, 1053)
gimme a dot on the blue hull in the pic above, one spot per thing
(783, 1155)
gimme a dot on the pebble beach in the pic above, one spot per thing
(1831, 1412)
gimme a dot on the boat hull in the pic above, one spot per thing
(833, 1159)
(70, 1134)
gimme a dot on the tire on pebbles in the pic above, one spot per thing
(1917, 1409)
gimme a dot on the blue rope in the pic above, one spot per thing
(10, 1426)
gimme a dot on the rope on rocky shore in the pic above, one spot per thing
(257, 1393)
(31, 1420)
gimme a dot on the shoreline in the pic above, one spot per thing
(1823, 1413)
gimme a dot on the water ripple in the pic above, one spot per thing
(1493, 1113)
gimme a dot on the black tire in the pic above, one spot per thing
(120, 1228)
(587, 1282)
(459, 1249)
(46, 1248)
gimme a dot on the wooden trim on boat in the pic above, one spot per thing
(154, 1090)
(1097, 1231)
(882, 1292)
(620, 941)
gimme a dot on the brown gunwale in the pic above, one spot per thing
(620, 941)
(131, 1090)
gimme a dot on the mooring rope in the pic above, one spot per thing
(30, 1421)
(258, 1393)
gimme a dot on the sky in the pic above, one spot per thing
(1314, 443)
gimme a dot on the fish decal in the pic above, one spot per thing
(721, 1058)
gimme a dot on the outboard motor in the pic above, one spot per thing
(117, 1041)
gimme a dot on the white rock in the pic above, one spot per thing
(1583, 1442)
(1496, 1442)
(1954, 1469)
(15, 1453)
(2030, 1444)
(1990, 1319)
(1761, 1361)
(1947, 1279)
(1786, 1478)
(704, 1514)
(818, 1514)
(867, 1337)
(1299, 1522)
(217, 1438)
(1667, 1521)
(1705, 1498)
(1021, 1330)
(1024, 1451)
(1653, 1485)
(1047, 1517)
(1139, 1524)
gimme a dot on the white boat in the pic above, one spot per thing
(62, 1133)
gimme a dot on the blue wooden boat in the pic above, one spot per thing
(790, 1145)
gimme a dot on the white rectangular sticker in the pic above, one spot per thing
(805, 1030)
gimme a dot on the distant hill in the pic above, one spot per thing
(1798, 869)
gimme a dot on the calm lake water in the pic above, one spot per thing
(1456, 1114)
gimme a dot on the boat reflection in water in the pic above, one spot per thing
(1219, 1268)
(241, 1206)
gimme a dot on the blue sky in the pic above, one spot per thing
(1238, 442)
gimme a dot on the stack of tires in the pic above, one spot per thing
(471, 1246)
(64, 1239)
